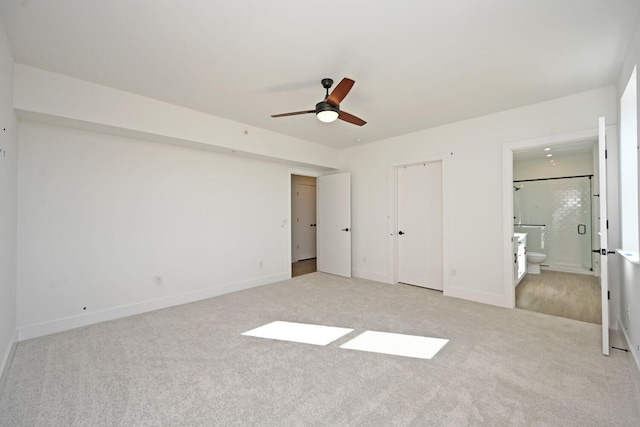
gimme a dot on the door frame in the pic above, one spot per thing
(295, 253)
(507, 194)
(289, 220)
(393, 214)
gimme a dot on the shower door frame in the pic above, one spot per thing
(591, 224)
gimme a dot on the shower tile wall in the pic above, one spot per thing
(570, 209)
(563, 206)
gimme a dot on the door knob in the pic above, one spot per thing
(401, 232)
(345, 229)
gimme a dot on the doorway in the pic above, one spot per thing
(552, 205)
(564, 150)
(303, 227)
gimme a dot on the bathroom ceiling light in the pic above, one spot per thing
(549, 155)
(547, 149)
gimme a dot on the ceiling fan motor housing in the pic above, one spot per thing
(325, 106)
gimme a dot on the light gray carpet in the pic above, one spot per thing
(190, 365)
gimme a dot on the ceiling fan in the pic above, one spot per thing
(328, 110)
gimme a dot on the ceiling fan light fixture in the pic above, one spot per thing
(326, 112)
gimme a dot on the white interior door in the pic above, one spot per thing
(604, 270)
(305, 221)
(334, 224)
(420, 225)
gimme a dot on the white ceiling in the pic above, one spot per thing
(563, 150)
(417, 64)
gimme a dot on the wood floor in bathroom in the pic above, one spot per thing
(574, 296)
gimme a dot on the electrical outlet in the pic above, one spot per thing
(260, 264)
(158, 280)
(454, 271)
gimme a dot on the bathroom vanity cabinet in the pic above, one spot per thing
(519, 256)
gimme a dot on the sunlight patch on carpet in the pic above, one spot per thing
(396, 344)
(299, 332)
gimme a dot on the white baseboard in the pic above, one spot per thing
(466, 294)
(65, 324)
(8, 356)
(568, 269)
(634, 352)
(482, 297)
(376, 277)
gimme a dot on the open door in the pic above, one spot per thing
(603, 247)
(334, 224)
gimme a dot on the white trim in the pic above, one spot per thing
(507, 197)
(309, 172)
(630, 256)
(392, 181)
(72, 322)
(376, 277)
(568, 269)
(472, 295)
(8, 357)
(635, 354)
(291, 173)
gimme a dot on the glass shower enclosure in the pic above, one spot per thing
(556, 214)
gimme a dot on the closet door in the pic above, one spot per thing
(420, 222)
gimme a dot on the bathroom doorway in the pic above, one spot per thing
(553, 199)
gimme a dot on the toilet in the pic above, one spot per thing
(534, 259)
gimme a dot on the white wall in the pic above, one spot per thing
(8, 201)
(630, 273)
(101, 215)
(474, 188)
(116, 189)
(48, 96)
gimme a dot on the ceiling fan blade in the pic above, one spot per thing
(340, 91)
(295, 113)
(351, 118)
